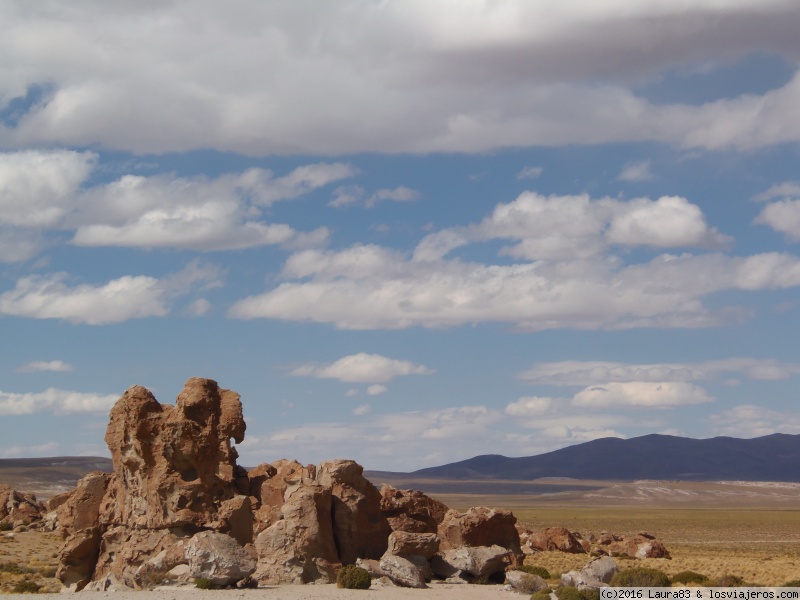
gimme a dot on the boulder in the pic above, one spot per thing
(81, 509)
(299, 548)
(480, 527)
(639, 546)
(402, 571)
(403, 543)
(218, 557)
(602, 568)
(77, 559)
(359, 527)
(411, 510)
(19, 508)
(525, 583)
(480, 562)
(556, 538)
(123, 551)
(371, 566)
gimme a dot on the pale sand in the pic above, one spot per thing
(441, 591)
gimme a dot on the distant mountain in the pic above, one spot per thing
(773, 457)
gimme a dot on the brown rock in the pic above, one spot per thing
(556, 538)
(173, 465)
(525, 583)
(78, 557)
(411, 510)
(479, 562)
(123, 551)
(19, 508)
(639, 546)
(218, 557)
(268, 484)
(404, 543)
(359, 527)
(299, 548)
(81, 510)
(480, 526)
(402, 571)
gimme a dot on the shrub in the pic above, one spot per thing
(47, 571)
(729, 581)
(27, 587)
(687, 577)
(568, 592)
(535, 570)
(203, 583)
(541, 595)
(6, 526)
(640, 577)
(351, 577)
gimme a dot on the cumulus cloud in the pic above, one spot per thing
(643, 394)
(37, 366)
(363, 368)
(353, 195)
(129, 297)
(377, 390)
(48, 190)
(599, 372)
(782, 216)
(529, 406)
(787, 189)
(398, 76)
(54, 400)
(368, 287)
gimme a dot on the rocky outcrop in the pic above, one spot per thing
(178, 506)
(19, 508)
(639, 546)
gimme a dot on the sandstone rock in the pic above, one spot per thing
(402, 571)
(123, 551)
(78, 557)
(480, 526)
(556, 538)
(403, 543)
(639, 547)
(57, 500)
(359, 527)
(371, 566)
(19, 508)
(411, 510)
(81, 510)
(480, 562)
(173, 465)
(168, 565)
(268, 484)
(218, 557)
(299, 548)
(525, 583)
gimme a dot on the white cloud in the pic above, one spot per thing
(37, 366)
(750, 420)
(198, 308)
(530, 172)
(368, 287)
(404, 440)
(785, 190)
(599, 372)
(363, 368)
(377, 389)
(364, 409)
(529, 406)
(642, 394)
(35, 186)
(398, 194)
(48, 449)
(407, 76)
(54, 400)
(347, 195)
(351, 393)
(783, 216)
(121, 299)
(636, 172)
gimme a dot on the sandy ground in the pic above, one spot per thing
(304, 592)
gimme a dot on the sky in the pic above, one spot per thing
(406, 232)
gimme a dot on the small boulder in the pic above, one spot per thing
(480, 562)
(525, 583)
(556, 538)
(403, 543)
(402, 571)
(218, 557)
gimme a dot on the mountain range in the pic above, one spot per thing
(774, 457)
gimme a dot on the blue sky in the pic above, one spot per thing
(406, 232)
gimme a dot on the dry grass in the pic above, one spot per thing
(29, 556)
(760, 544)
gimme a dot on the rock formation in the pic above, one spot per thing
(18, 508)
(178, 506)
